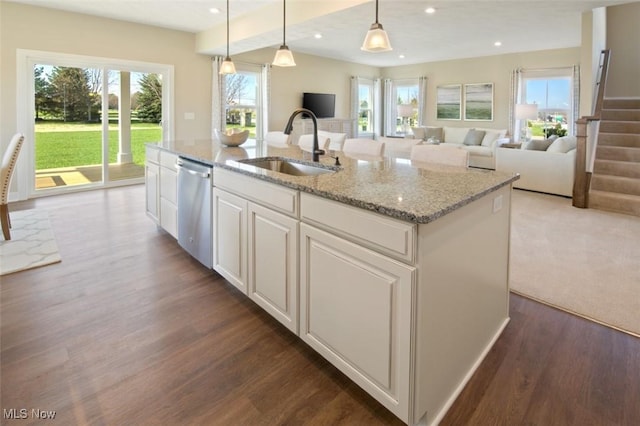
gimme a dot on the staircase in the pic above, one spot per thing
(615, 183)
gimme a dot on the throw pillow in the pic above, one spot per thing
(433, 132)
(538, 145)
(474, 137)
(563, 145)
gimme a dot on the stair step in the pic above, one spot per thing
(632, 127)
(628, 169)
(619, 139)
(621, 114)
(618, 153)
(619, 203)
(613, 103)
(618, 184)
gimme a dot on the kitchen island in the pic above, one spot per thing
(397, 273)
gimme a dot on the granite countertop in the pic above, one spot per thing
(389, 185)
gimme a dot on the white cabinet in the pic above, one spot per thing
(355, 310)
(161, 183)
(168, 193)
(256, 241)
(273, 268)
(152, 183)
(230, 237)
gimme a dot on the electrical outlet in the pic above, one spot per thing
(497, 204)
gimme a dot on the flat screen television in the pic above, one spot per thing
(323, 105)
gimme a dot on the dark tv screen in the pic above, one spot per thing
(323, 105)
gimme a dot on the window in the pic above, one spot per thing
(552, 91)
(244, 99)
(402, 106)
(365, 108)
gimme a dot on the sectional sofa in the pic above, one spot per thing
(480, 142)
(544, 166)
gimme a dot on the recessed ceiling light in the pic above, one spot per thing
(401, 56)
(317, 35)
(214, 10)
(430, 10)
(497, 43)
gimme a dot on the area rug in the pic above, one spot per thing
(32, 242)
(583, 261)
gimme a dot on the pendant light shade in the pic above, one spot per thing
(227, 66)
(284, 57)
(376, 39)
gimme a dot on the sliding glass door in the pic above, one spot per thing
(91, 120)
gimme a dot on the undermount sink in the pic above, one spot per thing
(287, 166)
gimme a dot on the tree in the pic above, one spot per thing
(235, 85)
(150, 98)
(43, 101)
(71, 94)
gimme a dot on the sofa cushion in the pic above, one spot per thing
(455, 134)
(479, 150)
(433, 132)
(424, 133)
(537, 145)
(491, 136)
(474, 137)
(563, 144)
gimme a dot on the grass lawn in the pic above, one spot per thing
(75, 144)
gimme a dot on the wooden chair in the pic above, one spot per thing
(277, 139)
(440, 154)
(362, 146)
(8, 165)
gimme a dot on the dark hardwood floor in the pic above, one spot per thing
(129, 330)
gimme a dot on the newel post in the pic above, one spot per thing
(582, 178)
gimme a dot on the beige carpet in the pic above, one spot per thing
(584, 261)
(32, 242)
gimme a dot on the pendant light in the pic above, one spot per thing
(227, 66)
(284, 57)
(376, 39)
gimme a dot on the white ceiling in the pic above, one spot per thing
(458, 29)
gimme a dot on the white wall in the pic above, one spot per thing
(490, 69)
(623, 33)
(311, 74)
(35, 28)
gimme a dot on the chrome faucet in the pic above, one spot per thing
(316, 151)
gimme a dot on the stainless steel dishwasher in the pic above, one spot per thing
(194, 210)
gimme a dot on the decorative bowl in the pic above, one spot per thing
(232, 137)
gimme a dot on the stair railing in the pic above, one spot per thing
(582, 180)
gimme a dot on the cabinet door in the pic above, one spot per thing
(273, 257)
(168, 200)
(230, 237)
(355, 310)
(152, 187)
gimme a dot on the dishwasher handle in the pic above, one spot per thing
(182, 167)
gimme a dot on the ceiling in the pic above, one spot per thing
(458, 28)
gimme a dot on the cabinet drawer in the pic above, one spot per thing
(270, 195)
(386, 235)
(168, 160)
(152, 154)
